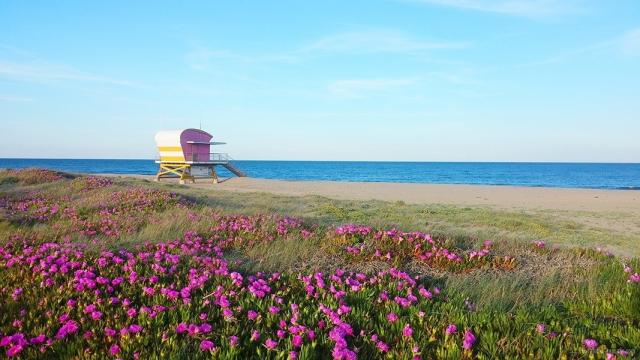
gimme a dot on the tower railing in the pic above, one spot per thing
(211, 157)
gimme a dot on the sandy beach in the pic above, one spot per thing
(503, 197)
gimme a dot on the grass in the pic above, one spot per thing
(568, 278)
(562, 228)
(540, 279)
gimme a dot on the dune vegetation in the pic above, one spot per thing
(94, 267)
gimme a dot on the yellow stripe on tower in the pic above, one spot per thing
(172, 158)
(170, 148)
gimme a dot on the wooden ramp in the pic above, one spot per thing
(237, 172)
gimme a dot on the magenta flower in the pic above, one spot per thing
(255, 335)
(296, 341)
(270, 344)
(14, 350)
(382, 346)
(227, 313)
(252, 315)
(38, 339)
(16, 293)
(181, 328)
(114, 349)
(540, 328)
(451, 329)
(205, 328)
(110, 332)
(96, 315)
(206, 345)
(392, 317)
(407, 331)
(590, 344)
(135, 328)
(468, 340)
(233, 340)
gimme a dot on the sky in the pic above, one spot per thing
(398, 80)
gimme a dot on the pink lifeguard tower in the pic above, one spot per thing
(187, 154)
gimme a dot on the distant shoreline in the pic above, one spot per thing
(553, 175)
(496, 196)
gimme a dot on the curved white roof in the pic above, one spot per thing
(168, 138)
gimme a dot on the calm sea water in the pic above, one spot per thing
(568, 175)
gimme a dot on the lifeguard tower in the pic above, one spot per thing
(187, 154)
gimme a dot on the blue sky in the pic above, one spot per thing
(417, 80)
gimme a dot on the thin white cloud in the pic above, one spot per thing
(526, 8)
(370, 41)
(627, 44)
(200, 57)
(360, 88)
(376, 41)
(38, 71)
(10, 98)
(630, 42)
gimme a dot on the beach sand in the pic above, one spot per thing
(502, 197)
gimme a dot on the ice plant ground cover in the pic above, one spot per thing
(94, 268)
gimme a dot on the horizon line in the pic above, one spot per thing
(369, 161)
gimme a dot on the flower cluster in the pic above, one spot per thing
(88, 183)
(634, 277)
(31, 176)
(76, 291)
(362, 242)
(183, 292)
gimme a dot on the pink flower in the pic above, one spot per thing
(16, 293)
(227, 313)
(540, 328)
(206, 345)
(96, 315)
(407, 331)
(270, 344)
(255, 335)
(14, 350)
(233, 340)
(135, 328)
(297, 341)
(252, 315)
(149, 291)
(181, 328)
(383, 347)
(38, 339)
(114, 349)
(590, 344)
(392, 317)
(451, 329)
(205, 328)
(468, 340)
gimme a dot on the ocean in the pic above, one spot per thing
(565, 175)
